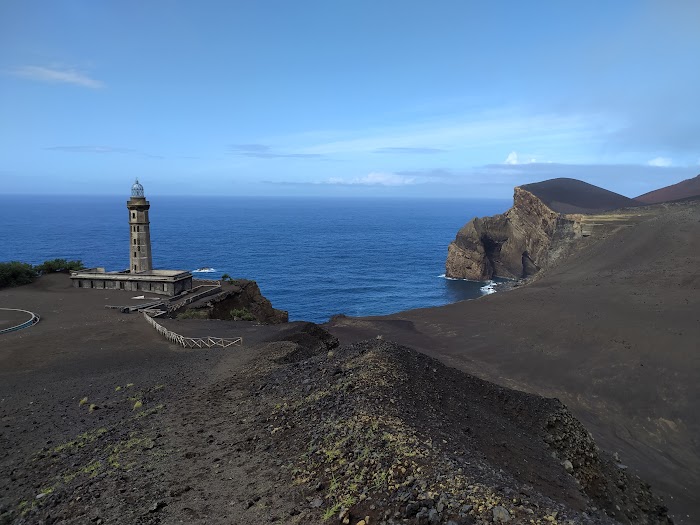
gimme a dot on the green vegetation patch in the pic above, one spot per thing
(58, 265)
(80, 441)
(16, 273)
(241, 314)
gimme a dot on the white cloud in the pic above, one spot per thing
(494, 128)
(660, 162)
(511, 159)
(57, 75)
(375, 179)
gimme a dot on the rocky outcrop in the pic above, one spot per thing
(515, 244)
(239, 299)
(378, 433)
(245, 295)
(601, 476)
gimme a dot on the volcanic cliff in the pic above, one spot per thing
(543, 221)
(515, 244)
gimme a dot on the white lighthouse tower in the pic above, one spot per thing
(140, 232)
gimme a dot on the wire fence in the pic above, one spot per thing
(192, 342)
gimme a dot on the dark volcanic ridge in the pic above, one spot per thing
(371, 431)
(565, 195)
(405, 437)
(686, 189)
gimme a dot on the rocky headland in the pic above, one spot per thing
(534, 233)
(512, 245)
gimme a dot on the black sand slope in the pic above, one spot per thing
(104, 421)
(683, 190)
(574, 196)
(614, 332)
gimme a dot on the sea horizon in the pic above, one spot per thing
(313, 256)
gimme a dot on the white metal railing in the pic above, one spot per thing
(34, 319)
(192, 342)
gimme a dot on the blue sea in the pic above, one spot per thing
(314, 257)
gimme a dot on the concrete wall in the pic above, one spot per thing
(157, 287)
(182, 285)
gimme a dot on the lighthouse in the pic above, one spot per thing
(140, 233)
(140, 277)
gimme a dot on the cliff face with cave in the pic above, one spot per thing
(515, 244)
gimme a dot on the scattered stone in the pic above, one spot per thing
(568, 466)
(156, 506)
(500, 514)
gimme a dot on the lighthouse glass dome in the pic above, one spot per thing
(137, 189)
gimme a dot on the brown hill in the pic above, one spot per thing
(682, 190)
(574, 196)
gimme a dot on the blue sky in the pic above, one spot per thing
(337, 98)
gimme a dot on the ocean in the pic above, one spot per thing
(314, 257)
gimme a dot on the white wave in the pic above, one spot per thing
(204, 270)
(443, 276)
(488, 288)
